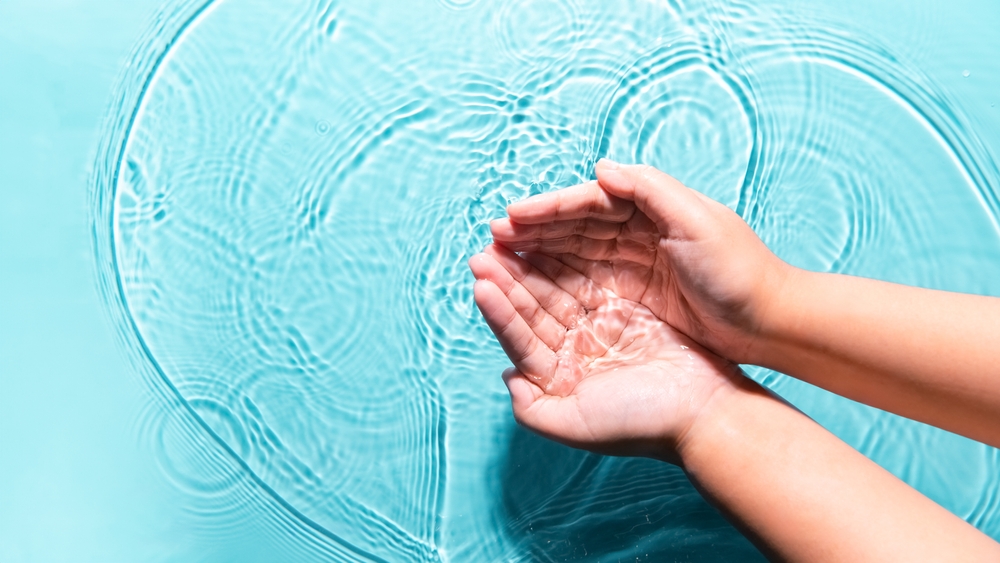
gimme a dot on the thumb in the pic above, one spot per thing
(532, 408)
(545, 415)
(662, 198)
(523, 394)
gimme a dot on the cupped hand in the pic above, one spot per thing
(592, 369)
(640, 233)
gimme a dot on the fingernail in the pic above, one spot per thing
(608, 164)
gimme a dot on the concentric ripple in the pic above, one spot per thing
(287, 194)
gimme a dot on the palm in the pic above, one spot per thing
(634, 261)
(594, 368)
(688, 272)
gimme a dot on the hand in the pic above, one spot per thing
(591, 369)
(641, 234)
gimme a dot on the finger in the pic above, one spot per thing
(523, 393)
(670, 204)
(563, 307)
(616, 250)
(576, 202)
(601, 272)
(582, 288)
(553, 417)
(506, 230)
(590, 249)
(527, 352)
(545, 326)
(608, 274)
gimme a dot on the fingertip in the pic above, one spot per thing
(606, 164)
(482, 287)
(493, 264)
(518, 207)
(483, 292)
(534, 209)
(478, 264)
(501, 228)
(612, 177)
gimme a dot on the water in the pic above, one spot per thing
(285, 196)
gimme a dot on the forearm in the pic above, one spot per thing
(801, 494)
(932, 356)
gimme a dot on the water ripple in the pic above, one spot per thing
(530, 31)
(285, 197)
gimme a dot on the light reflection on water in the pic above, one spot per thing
(287, 195)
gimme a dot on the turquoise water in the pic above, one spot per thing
(279, 207)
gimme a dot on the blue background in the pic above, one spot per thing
(76, 481)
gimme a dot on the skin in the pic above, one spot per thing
(584, 356)
(629, 294)
(698, 267)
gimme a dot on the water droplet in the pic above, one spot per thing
(966, 73)
(322, 127)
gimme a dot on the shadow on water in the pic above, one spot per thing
(561, 504)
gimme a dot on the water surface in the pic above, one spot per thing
(287, 194)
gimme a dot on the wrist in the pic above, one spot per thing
(777, 305)
(710, 431)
